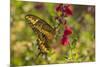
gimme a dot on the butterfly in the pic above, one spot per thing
(43, 30)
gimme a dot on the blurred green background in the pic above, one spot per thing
(23, 40)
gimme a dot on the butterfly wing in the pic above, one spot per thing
(43, 43)
(41, 25)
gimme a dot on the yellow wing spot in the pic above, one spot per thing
(27, 17)
(34, 21)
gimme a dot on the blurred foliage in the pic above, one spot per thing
(23, 40)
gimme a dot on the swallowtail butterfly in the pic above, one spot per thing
(43, 30)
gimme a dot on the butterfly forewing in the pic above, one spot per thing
(41, 25)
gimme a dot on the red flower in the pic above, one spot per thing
(59, 7)
(65, 41)
(68, 10)
(67, 31)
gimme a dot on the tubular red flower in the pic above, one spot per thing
(59, 7)
(64, 11)
(68, 10)
(67, 31)
(65, 41)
